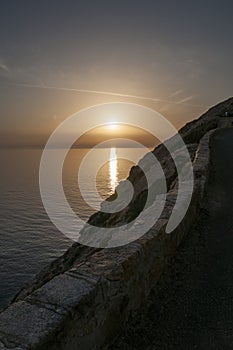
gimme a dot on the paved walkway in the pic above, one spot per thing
(192, 305)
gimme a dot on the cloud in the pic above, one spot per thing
(177, 92)
(108, 93)
(194, 62)
(89, 91)
(3, 67)
(184, 100)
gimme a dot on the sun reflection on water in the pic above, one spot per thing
(113, 169)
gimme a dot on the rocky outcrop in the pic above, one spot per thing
(84, 297)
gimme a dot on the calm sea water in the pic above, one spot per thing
(28, 239)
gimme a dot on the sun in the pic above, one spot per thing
(113, 125)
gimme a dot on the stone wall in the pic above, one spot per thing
(83, 298)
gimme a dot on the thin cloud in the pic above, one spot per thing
(116, 94)
(177, 92)
(89, 91)
(4, 67)
(184, 100)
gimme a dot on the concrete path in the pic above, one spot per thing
(192, 306)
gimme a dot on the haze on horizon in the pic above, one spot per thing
(58, 57)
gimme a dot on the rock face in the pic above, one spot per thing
(85, 296)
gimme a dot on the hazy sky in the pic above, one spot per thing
(177, 52)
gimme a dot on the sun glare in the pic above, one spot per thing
(113, 125)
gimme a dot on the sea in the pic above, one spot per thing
(28, 239)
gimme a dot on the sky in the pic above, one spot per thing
(57, 57)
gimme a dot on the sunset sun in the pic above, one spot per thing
(113, 126)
